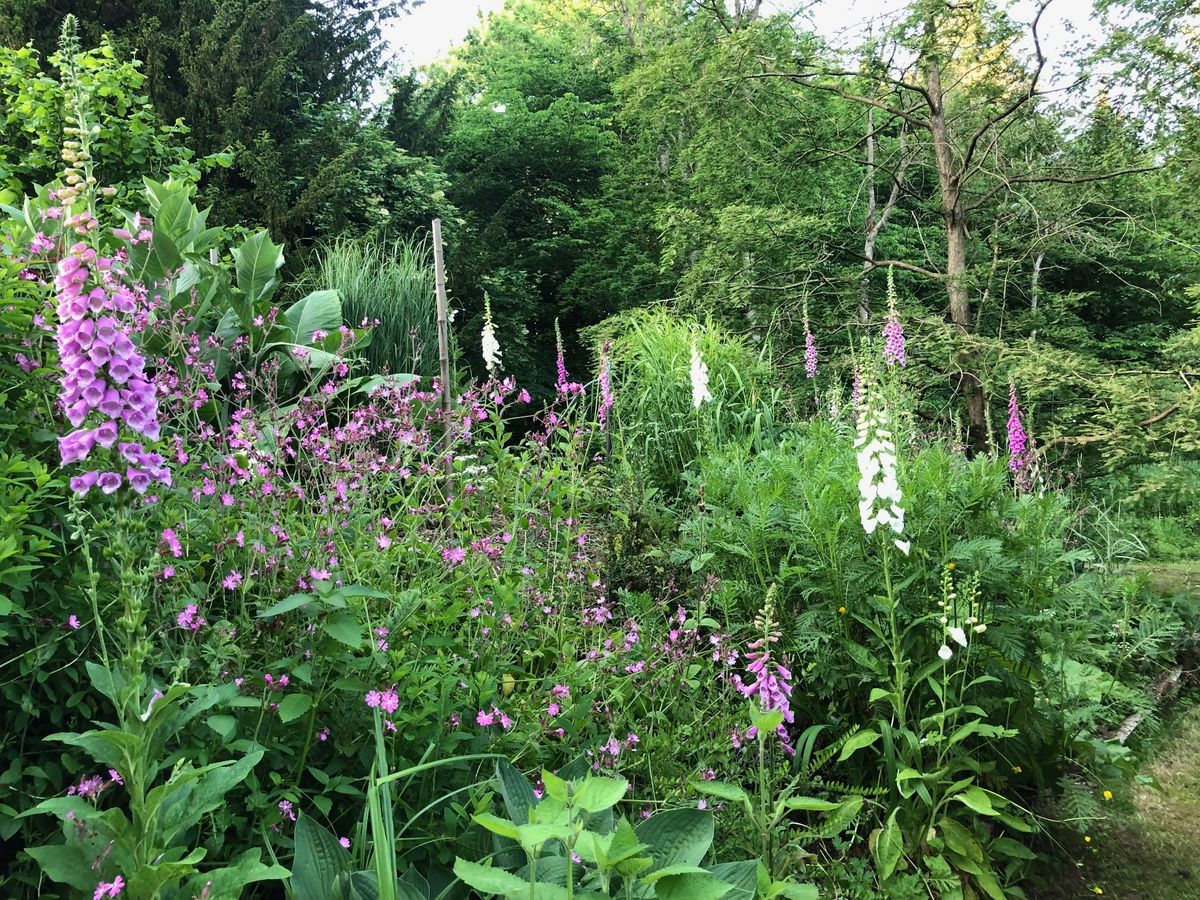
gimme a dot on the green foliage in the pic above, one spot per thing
(390, 284)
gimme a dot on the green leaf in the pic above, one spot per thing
(722, 789)
(857, 742)
(320, 863)
(1006, 846)
(598, 794)
(320, 310)
(691, 887)
(222, 725)
(293, 706)
(518, 794)
(256, 262)
(741, 876)
(344, 630)
(976, 799)
(793, 891)
(497, 825)
(486, 878)
(812, 804)
(888, 848)
(677, 836)
(66, 864)
(287, 604)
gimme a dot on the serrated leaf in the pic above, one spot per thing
(487, 878)
(293, 706)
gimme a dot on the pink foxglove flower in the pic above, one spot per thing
(606, 388)
(1021, 456)
(893, 331)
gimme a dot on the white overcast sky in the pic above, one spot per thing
(426, 33)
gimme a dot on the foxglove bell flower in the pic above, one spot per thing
(491, 346)
(606, 388)
(893, 331)
(103, 374)
(878, 488)
(1020, 454)
(699, 377)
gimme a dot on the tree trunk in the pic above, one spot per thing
(957, 291)
(864, 298)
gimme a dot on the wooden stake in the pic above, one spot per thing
(443, 329)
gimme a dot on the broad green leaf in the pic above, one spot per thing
(741, 876)
(598, 794)
(857, 742)
(344, 630)
(677, 836)
(809, 803)
(518, 794)
(320, 861)
(66, 864)
(487, 879)
(287, 604)
(256, 262)
(319, 311)
(222, 725)
(691, 887)
(888, 848)
(293, 706)
(976, 799)
(497, 825)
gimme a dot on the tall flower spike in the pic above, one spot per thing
(772, 680)
(1020, 454)
(606, 390)
(879, 491)
(810, 348)
(491, 346)
(893, 331)
(563, 384)
(699, 376)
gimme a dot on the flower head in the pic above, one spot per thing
(699, 377)
(490, 346)
(878, 488)
(893, 331)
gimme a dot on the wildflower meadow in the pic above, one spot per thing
(370, 532)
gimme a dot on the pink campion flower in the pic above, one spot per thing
(345, 842)
(383, 541)
(109, 889)
(172, 542)
(286, 811)
(454, 556)
(485, 718)
(189, 619)
(73, 622)
(232, 580)
(560, 691)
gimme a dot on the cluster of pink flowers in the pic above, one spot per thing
(487, 718)
(104, 374)
(1020, 454)
(772, 685)
(190, 619)
(563, 383)
(93, 786)
(810, 354)
(388, 700)
(607, 754)
(109, 888)
(893, 341)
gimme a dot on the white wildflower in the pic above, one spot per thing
(699, 375)
(877, 485)
(945, 652)
(491, 346)
(959, 636)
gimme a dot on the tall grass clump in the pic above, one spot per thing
(392, 282)
(655, 419)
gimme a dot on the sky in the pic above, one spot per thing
(426, 33)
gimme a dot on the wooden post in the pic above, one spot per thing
(443, 330)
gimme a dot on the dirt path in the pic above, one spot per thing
(1156, 856)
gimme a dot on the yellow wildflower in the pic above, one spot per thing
(1108, 795)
